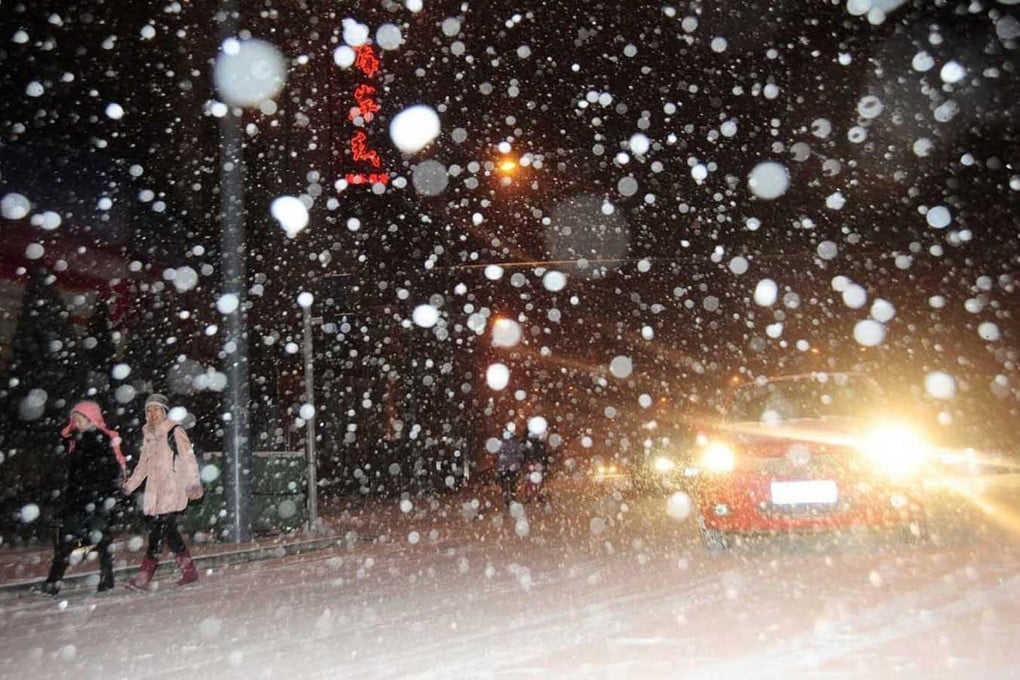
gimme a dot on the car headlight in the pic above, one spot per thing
(663, 464)
(895, 450)
(718, 458)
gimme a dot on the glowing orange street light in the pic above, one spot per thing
(507, 166)
(500, 324)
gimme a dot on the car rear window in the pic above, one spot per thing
(803, 398)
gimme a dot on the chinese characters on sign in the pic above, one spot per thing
(365, 59)
(365, 107)
(360, 150)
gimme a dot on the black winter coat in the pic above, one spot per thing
(92, 486)
(535, 451)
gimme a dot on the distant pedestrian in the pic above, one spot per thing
(89, 494)
(510, 463)
(536, 468)
(168, 466)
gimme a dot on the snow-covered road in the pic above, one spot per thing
(596, 586)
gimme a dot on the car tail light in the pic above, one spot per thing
(718, 458)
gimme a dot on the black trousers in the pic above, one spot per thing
(164, 528)
(77, 534)
(508, 479)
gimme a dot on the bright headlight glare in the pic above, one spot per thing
(664, 464)
(896, 450)
(718, 458)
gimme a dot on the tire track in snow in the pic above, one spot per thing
(869, 630)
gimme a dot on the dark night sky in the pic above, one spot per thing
(518, 71)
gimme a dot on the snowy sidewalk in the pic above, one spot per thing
(22, 568)
(342, 521)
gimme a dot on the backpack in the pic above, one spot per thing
(510, 455)
(172, 442)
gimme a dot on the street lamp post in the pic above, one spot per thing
(246, 74)
(237, 449)
(305, 301)
(237, 442)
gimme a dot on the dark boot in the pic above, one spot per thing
(50, 588)
(57, 568)
(105, 575)
(189, 574)
(59, 564)
(140, 581)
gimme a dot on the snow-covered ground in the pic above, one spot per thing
(597, 586)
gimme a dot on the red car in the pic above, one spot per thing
(808, 452)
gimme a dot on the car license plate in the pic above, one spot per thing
(810, 491)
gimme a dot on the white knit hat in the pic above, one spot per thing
(157, 399)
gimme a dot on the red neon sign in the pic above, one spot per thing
(366, 178)
(365, 106)
(360, 150)
(365, 59)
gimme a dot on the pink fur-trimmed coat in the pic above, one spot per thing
(166, 480)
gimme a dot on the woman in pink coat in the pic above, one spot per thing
(169, 469)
